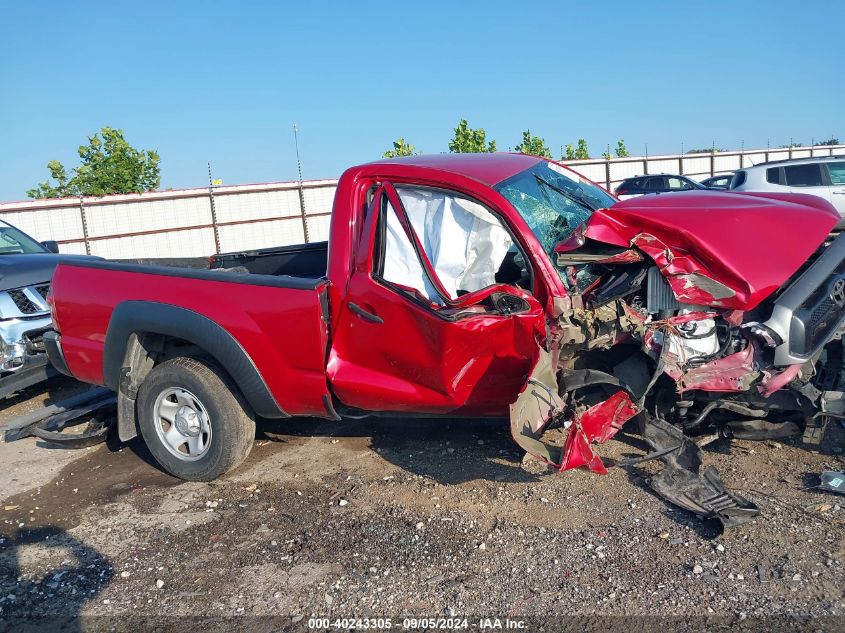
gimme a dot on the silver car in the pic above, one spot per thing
(821, 176)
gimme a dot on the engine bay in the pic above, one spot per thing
(628, 346)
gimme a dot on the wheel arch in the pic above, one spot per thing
(136, 338)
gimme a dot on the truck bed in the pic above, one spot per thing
(276, 319)
(298, 260)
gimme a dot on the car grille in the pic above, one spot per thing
(24, 304)
(816, 319)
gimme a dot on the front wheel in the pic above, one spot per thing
(194, 420)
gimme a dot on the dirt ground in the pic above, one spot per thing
(379, 518)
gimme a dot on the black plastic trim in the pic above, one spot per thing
(274, 281)
(38, 370)
(53, 347)
(161, 318)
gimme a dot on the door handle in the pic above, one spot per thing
(841, 192)
(367, 316)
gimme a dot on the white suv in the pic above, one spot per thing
(821, 176)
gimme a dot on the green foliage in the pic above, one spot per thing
(533, 145)
(705, 150)
(467, 140)
(621, 150)
(830, 141)
(400, 148)
(569, 153)
(581, 152)
(108, 165)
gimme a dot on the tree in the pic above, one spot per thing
(621, 150)
(467, 140)
(400, 148)
(581, 152)
(108, 165)
(570, 153)
(533, 145)
(830, 141)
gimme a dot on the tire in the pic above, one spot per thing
(194, 420)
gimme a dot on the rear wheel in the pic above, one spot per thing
(194, 420)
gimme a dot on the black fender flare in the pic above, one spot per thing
(137, 317)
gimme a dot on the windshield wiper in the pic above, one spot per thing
(578, 199)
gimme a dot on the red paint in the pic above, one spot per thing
(773, 383)
(486, 168)
(597, 424)
(724, 374)
(418, 361)
(288, 353)
(751, 244)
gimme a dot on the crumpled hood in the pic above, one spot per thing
(17, 271)
(729, 250)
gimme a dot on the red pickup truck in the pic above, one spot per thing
(483, 285)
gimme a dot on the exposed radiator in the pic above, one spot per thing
(659, 295)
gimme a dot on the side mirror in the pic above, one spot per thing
(51, 245)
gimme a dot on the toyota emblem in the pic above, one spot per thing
(837, 292)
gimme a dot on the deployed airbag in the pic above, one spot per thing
(465, 243)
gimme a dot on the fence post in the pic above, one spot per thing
(712, 162)
(84, 221)
(214, 226)
(680, 164)
(302, 212)
(301, 187)
(607, 173)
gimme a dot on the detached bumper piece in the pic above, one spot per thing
(36, 370)
(833, 481)
(542, 404)
(681, 483)
(94, 408)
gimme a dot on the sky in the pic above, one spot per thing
(224, 82)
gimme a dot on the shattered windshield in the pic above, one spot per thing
(553, 201)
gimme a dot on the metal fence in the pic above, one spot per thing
(610, 172)
(180, 223)
(198, 222)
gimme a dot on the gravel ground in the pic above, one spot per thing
(424, 518)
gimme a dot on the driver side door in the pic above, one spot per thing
(438, 316)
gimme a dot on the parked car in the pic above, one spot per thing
(722, 181)
(657, 183)
(821, 176)
(483, 285)
(25, 270)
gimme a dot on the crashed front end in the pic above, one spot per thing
(24, 318)
(650, 332)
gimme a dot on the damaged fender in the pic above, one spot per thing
(541, 402)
